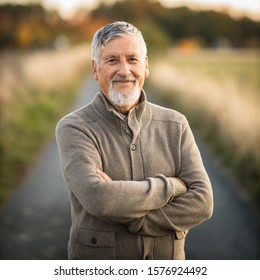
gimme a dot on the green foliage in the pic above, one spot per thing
(31, 25)
(155, 37)
(25, 134)
(181, 23)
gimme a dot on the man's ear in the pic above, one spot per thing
(146, 67)
(94, 70)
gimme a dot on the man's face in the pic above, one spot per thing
(121, 72)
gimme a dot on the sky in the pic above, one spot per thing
(237, 7)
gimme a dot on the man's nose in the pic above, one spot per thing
(124, 68)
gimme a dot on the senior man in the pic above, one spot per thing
(136, 180)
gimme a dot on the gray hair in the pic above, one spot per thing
(112, 30)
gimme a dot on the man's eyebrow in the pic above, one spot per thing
(111, 56)
(132, 55)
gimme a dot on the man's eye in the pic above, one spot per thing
(112, 60)
(132, 59)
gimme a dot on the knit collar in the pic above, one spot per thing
(138, 117)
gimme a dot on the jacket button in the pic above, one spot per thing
(93, 240)
(133, 147)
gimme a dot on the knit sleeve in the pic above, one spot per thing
(189, 210)
(114, 201)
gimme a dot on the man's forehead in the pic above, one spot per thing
(128, 46)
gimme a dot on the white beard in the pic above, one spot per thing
(124, 98)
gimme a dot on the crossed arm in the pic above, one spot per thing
(179, 189)
(172, 216)
(154, 206)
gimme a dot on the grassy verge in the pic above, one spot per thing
(219, 94)
(37, 90)
(27, 131)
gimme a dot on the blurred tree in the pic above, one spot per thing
(145, 14)
(155, 37)
(210, 27)
(24, 36)
(32, 25)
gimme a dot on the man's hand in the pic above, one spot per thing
(103, 176)
(181, 189)
(180, 180)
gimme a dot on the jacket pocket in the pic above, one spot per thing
(96, 245)
(180, 234)
(179, 242)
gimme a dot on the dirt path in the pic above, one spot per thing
(35, 224)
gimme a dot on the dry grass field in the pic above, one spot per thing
(37, 88)
(219, 92)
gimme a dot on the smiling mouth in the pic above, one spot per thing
(123, 80)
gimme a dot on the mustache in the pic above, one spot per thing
(123, 79)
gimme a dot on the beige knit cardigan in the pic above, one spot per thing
(144, 212)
